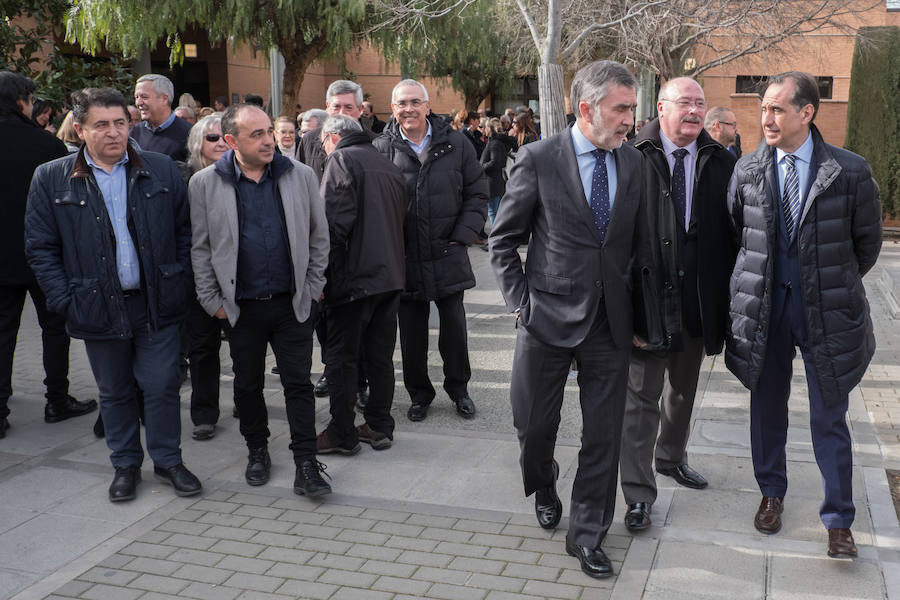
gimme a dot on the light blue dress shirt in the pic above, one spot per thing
(418, 148)
(587, 162)
(114, 189)
(802, 163)
(162, 125)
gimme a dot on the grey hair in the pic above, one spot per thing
(189, 110)
(195, 139)
(409, 83)
(341, 125)
(161, 83)
(315, 113)
(591, 83)
(344, 86)
(714, 115)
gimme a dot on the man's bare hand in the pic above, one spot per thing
(220, 314)
(637, 341)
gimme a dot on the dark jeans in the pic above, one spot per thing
(369, 326)
(452, 342)
(264, 322)
(362, 381)
(150, 360)
(53, 336)
(204, 339)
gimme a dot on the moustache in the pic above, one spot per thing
(690, 119)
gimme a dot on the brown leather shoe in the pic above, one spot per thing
(768, 515)
(840, 543)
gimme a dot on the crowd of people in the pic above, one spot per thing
(150, 232)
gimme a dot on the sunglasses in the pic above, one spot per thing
(212, 137)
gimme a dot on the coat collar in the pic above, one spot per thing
(224, 167)
(81, 168)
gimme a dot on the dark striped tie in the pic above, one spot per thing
(790, 202)
(600, 193)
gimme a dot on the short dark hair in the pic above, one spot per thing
(83, 100)
(42, 106)
(254, 99)
(221, 100)
(13, 87)
(229, 117)
(806, 90)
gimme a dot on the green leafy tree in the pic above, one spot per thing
(29, 28)
(302, 30)
(873, 111)
(467, 47)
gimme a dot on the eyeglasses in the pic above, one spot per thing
(415, 103)
(730, 124)
(686, 104)
(212, 137)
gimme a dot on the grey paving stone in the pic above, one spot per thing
(156, 583)
(115, 561)
(496, 582)
(206, 591)
(263, 512)
(107, 592)
(188, 527)
(239, 548)
(346, 593)
(189, 515)
(342, 577)
(399, 585)
(339, 509)
(446, 591)
(430, 521)
(497, 595)
(292, 571)
(252, 499)
(288, 555)
(227, 520)
(196, 557)
(426, 559)
(158, 596)
(215, 506)
(260, 583)
(108, 576)
(523, 571)
(154, 566)
(347, 522)
(442, 575)
(520, 556)
(446, 535)
(374, 552)
(320, 545)
(245, 565)
(551, 590)
(363, 537)
(479, 526)
(148, 550)
(315, 531)
(307, 589)
(253, 595)
(74, 588)
(203, 574)
(390, 569)
(283, 540)
(795, 577)
(398, 529)
(378, 514)
(221, 532)
(335, 561)
(408, 543)
(461, 549)
(271, 525)
(706, 570)
(477, 565)
(154, 537)
(190, 541)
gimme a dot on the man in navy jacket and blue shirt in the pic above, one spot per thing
(107, 234)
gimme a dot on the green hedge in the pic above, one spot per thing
(873, 112)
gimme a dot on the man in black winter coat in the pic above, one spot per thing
(26, 147)
(365, 204)
(686, 176)
(446, 196)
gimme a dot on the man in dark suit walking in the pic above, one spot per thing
(578, 197)
(809, 220)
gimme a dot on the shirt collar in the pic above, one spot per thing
(804, 152)
(164, 124)
(267, 172)
(669, 146)
(427, 134)
(581, 143)
(93, 165)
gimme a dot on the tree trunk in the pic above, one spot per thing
(297, 58)
(553, 99)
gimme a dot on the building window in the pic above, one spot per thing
(750, 84)
(756, 84)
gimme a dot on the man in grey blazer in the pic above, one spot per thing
(578, 197)
(259, 252)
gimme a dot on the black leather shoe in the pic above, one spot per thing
(594, 562)
(685, 476)
(68, 408)
(362, 398)
(465, 407)
(547, 505)
(4, 425)
(124, 484)
(417, 412)
(638, 516)
(321, 388)
(184, 482)
(308, 480)
(258, 466)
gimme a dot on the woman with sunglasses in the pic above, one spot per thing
(201, 334)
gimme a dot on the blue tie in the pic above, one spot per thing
(600, 193)
(679, 185)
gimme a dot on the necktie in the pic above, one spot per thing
(679, 185)
(790, 202)
(600, 193)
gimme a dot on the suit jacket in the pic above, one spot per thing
(569, 269)
(214, 222)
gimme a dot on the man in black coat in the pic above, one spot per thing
(686, 176)
(808, 218)
(446, 207)
(365, 204)
(26, 147)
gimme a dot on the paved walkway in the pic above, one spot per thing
(440, 514)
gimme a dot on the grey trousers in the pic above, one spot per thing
(536, 392)
(657, 414)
